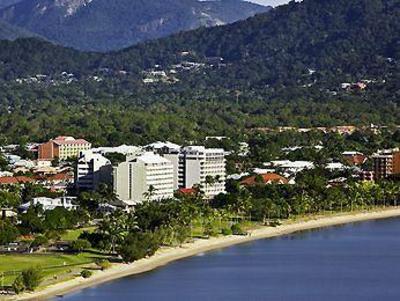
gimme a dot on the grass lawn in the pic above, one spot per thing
(53, 265)
(71, 235)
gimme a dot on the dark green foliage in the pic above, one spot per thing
(60, 219)
(237, 230)
(80, 245)
(86, 274)
(226, 231)
(31, 221)
(95, 239)
(40, 240)
(115, 158)
(18, 285)
(103, 264)
(31, 278)
(139, 245)
(8, 232)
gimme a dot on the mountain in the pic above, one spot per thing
(295, 44)
(314, 63)
(313, 42)
(10, 32)
(103, 25)
(5, 3)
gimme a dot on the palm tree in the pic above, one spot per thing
(115, 227)
(209, 181)
(148, 195)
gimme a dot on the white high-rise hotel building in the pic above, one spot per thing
(145, 176)
(197, 165)
(172, 168)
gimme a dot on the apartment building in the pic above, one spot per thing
(198, 166)
(92, 170)
(147, 176)
(62, 147)
(386, 163)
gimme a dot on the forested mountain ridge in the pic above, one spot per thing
(302, 42)
(291, 66)
(103, 25)
(337, 39)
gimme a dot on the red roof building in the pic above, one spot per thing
(15, 180)
(268, 178)
(63, 148)
(187, 191)
(354, 158)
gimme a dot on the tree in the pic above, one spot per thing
(148, 195)
(8, 232)
(32, 220)
(40, 240)
(139, 245)
(18, 285)
(116, 226)
(31, 278)
(80, 245)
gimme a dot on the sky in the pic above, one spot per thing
(270, 2)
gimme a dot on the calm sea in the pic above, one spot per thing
(352, 262)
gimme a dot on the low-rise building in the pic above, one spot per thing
(50, 204)
(62, 148)
(354, 158)
(290, 167)
(92, 170)
(147, 176)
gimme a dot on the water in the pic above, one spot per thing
(351, 262)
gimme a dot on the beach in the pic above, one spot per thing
(167, 255)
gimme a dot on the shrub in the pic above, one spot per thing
(103, 264)
(226, 231)
(210, 229)
(237, 230)
(31, 278)
(80, 244)
(86, 274)
(18, 285)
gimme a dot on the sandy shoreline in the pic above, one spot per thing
(167, 255)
